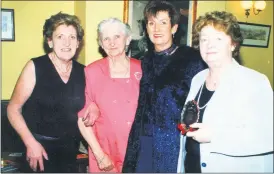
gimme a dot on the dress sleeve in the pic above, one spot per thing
(88, 93)
(133, 145)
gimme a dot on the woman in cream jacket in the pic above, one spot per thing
(235, 126)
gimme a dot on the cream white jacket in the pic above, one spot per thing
(240, 113)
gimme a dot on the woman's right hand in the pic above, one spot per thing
(105, 163)
(35, 154)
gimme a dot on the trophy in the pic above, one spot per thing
(189, 115)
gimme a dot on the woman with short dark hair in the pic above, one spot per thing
(154, 140)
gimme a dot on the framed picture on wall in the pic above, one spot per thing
(133, 16)
(255, 35)
(7, 27)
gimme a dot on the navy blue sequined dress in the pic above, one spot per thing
(154, 145)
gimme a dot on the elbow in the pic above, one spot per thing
(12, 110)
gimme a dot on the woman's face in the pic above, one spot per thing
(160, 31)
(64, 42)
(113, 40)
(215, 47)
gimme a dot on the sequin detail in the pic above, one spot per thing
(164, 87)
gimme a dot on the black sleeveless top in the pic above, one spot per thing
(52, 108)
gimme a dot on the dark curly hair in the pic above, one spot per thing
(223, 21)
(153, 7)
(55, 21)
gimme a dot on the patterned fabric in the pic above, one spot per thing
(164, 87)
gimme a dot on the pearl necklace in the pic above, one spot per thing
(202, 87)
(198, 101)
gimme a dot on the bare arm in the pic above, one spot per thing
(103, 160)
(89, 114)
(21, 93)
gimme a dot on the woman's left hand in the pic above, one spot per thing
(202, 135)
(105, 163)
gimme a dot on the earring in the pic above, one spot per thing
(172, 35)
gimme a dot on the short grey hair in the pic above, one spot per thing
(125, 28)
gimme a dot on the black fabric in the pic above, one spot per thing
(192, 159)
(53, 105)
(51, 111)
(164, 86)
(61, 154)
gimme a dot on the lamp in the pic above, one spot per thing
(257, 7)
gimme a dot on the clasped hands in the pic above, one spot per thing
(202, 135)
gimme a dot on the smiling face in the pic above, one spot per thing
(215, 47)
(160, 31)
(64, 42)
(113, 40)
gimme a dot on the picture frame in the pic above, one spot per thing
(7, 27)
(133, 16)
(255, 35)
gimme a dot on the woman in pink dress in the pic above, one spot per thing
(112, 83)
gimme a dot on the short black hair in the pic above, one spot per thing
(153, 7)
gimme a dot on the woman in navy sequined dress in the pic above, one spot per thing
(154, 140)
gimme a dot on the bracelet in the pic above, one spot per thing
(101, 160)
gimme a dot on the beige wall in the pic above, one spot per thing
(30, 17)
(29, 20)
(260, 59)
(96, 12)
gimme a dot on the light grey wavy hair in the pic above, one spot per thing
(125, 28)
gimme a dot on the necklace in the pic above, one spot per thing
(198, 101)
(127, 67)
(68, 68)
(212, 85)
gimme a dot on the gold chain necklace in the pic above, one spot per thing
(68, 68)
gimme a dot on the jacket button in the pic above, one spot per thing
(203, 164)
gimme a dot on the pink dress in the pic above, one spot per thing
(117, 100)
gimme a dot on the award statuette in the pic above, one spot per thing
(190, 115)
